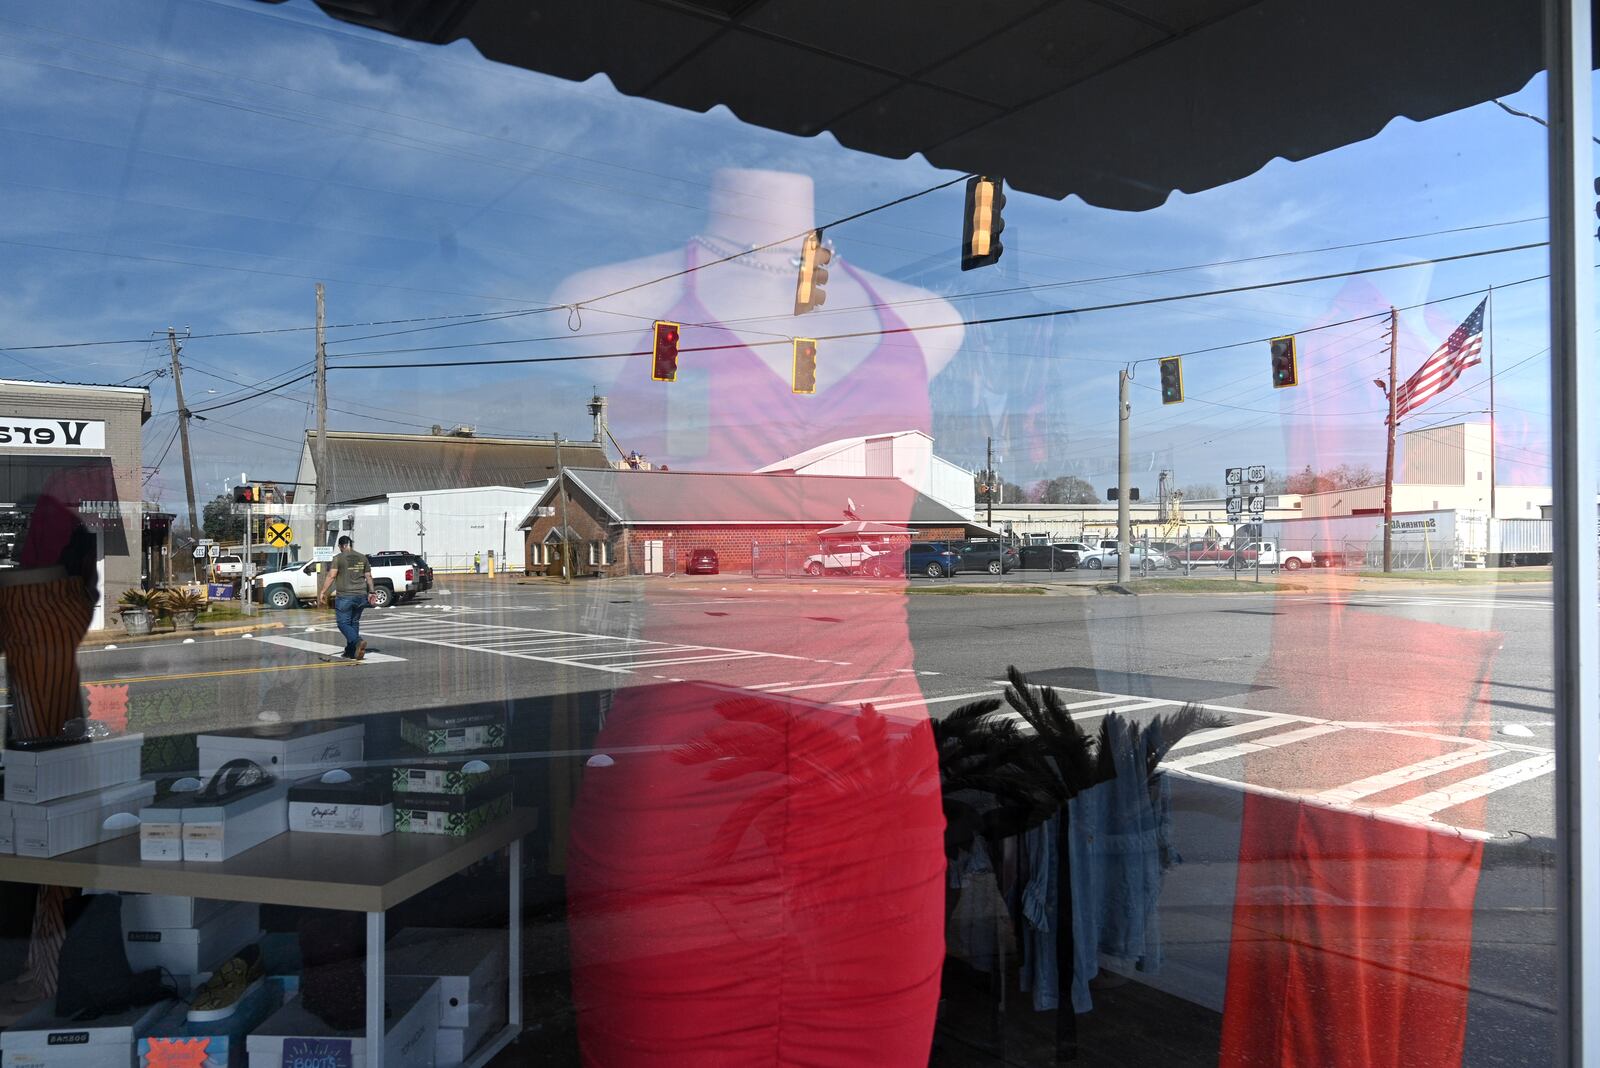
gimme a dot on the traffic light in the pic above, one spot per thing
(805, 365)
(664, 358)
(1171, 380)
(250, 494)
(980, 238)
(814, 260)
(1285, 365)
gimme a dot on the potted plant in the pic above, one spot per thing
(137, 611)
(183, 606)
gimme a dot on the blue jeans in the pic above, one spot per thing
(347, 609)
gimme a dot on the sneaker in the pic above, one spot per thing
(361, 650)
(229, 985)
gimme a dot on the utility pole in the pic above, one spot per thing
(183, 432)
(561, 497)
(1388, 463)
(321, 455)
(1123, 478)
(988, 480)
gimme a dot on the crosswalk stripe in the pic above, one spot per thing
(324, 650)
(791, 688)
(1216, 734)
(1474, 788)
(1230, 752)
(1422, 769)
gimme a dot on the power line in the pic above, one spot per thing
(1018, 317)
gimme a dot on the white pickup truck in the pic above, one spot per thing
(1271, 555)
(297, 583)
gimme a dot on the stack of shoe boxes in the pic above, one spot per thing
(470, 966)
(459, 783)
(61, 795)
(289, 752)
(189, 937)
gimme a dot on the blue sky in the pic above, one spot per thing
(201, 163)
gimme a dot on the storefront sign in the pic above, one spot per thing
(18, 432)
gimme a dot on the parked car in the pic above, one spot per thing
(290, 586)
(1048, 557)
(391, 557)
(933, 559)
(1340, 557)
(847, 558)
(702, 562)
(992, 556)
(227, 566)
(1139, 558)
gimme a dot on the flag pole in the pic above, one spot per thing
(1388, 464)
(1492, 434)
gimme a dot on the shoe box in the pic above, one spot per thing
(470, 966)
(457, 815)
(155, 912)
(8, 830)
(42, 1040)
(446, 776)
(292, 1035)
(66, 769)
(295, 752)
(171, 1040)
(217, 830)
(161, 828)
(363, 804)
(65, 824)
(454, 732)
(192, 951)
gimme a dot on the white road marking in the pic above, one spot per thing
(1478, 786)
(1231, 752)
(946, 699)
(1216, 734)
(1422, 769)
(325, 650)
(788, 688)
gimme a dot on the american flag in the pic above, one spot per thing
(1439, 371)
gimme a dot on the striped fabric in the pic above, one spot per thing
(41, 624)
(49, 932)
(1439, 371)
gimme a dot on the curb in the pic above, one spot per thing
(108, 637)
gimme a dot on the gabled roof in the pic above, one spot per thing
(363, 466)
(721, 499)
(831, 448)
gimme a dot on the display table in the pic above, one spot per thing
(325, 871)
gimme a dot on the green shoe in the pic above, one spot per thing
(228, 986)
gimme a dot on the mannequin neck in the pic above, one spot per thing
(749, 207)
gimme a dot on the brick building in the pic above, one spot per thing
(647, 522)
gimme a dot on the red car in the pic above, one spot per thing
(702, 562)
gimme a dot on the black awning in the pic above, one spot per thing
(1120, 102)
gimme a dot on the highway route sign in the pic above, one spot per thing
(1234, 476)
(199, 552)
(1258, 507)
(279, 535)
(214, 550)
(1235, 506)
(1257, 473)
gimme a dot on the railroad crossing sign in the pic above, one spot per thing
(279, 534)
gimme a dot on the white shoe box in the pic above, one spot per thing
(191, 951)
(294, 1036)
(154, 912)
(217, 831)
(308, 748)
(364, 805)
(35, 775)
(69, 823)
(467, 962)
(42, 1040)
(455, 1044)
(8, 830)
(161, 829)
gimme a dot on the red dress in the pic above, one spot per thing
(757, 879)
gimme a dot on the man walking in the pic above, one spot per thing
(350, 578)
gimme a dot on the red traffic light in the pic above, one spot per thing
(805, 365)
(247, 494)
(664, 358)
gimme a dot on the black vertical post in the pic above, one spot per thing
(1066, 1018)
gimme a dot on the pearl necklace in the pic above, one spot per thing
(743, 256)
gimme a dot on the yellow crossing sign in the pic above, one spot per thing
(279, 534)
